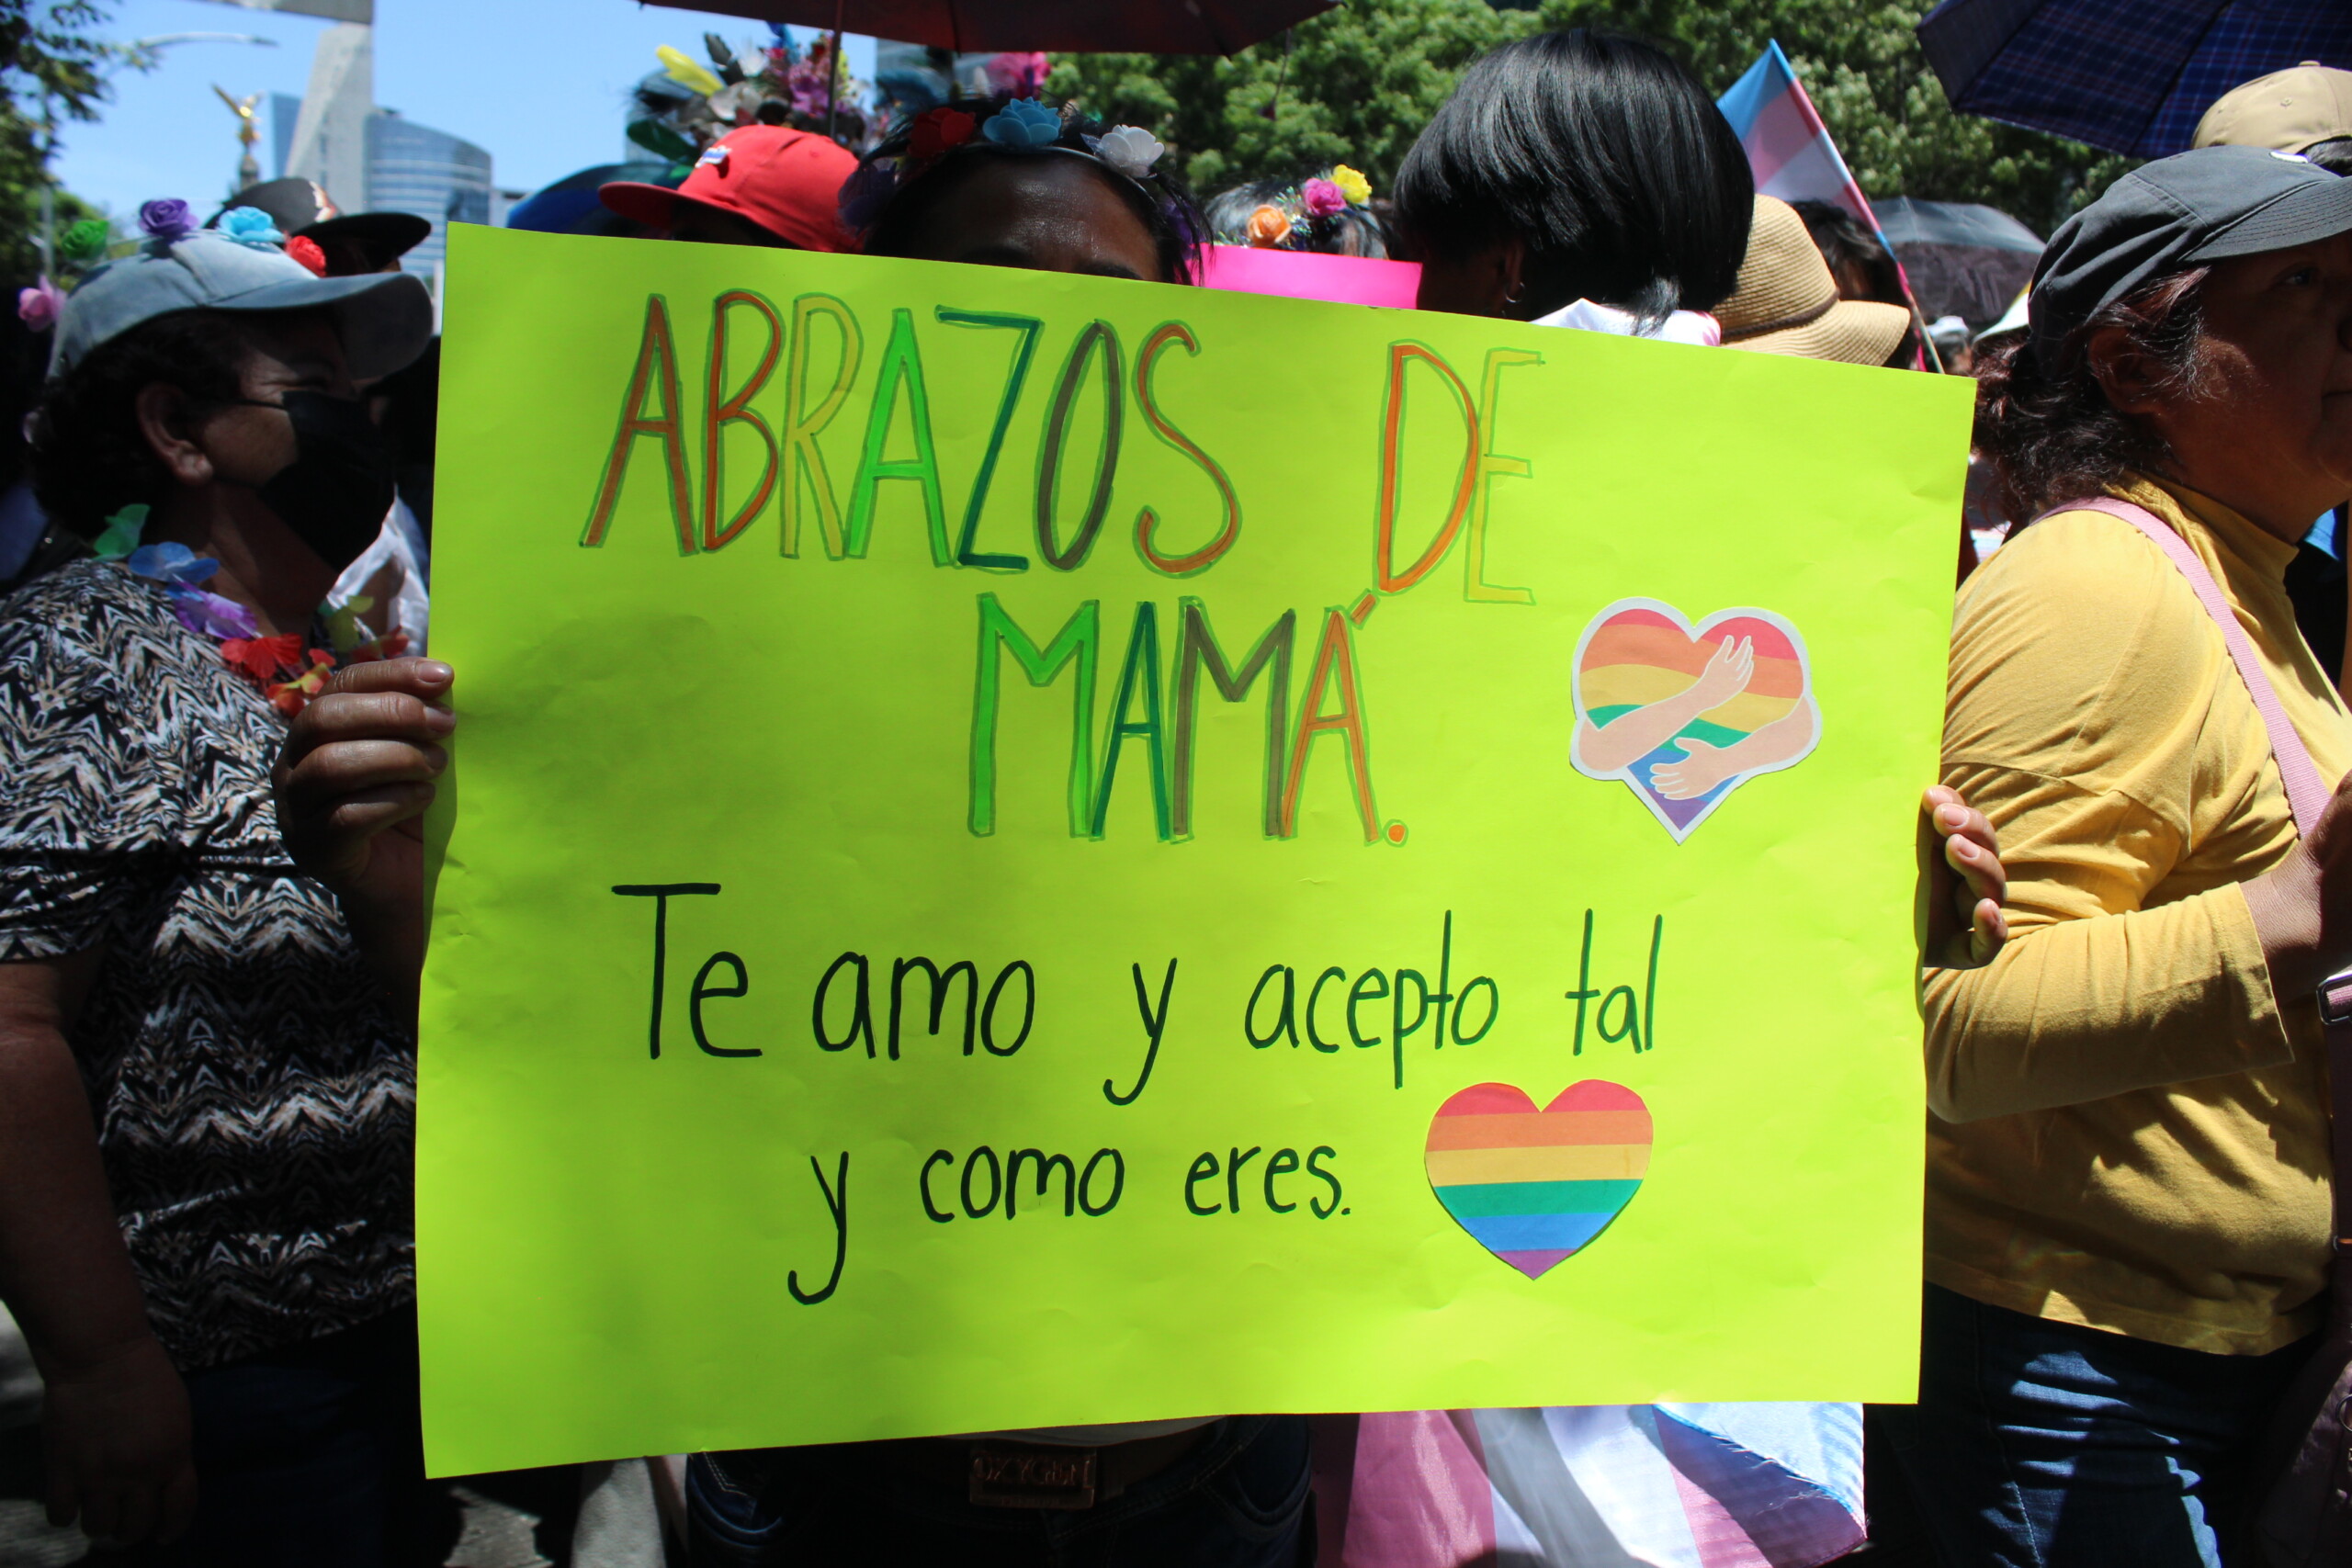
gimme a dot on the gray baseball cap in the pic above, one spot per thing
(385, 319)
(2174, 214)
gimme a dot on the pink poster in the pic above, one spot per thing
(1304, 275)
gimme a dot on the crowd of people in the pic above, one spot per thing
(216, 738)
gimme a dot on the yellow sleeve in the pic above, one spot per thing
(2080, 721)
(2093, 996)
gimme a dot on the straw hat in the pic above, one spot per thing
(1787, 301)
(2288, 111)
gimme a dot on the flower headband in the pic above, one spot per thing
(1128, 150)
(1275, 225)
(162, 223)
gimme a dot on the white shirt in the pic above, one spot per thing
(1682, 326)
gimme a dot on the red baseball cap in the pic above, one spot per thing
(787, 182)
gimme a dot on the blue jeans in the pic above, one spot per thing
(306, 1456)
(1237, 1501)
(2038, 1444)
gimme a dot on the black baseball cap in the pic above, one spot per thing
(2174, 214)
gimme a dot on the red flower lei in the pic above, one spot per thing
(262, 659)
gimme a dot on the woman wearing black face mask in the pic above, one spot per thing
(335, 490)
(205, 1106)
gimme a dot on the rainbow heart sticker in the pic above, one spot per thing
(1686, 715)
(1533, 1187)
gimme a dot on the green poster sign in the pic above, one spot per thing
(1029, 850)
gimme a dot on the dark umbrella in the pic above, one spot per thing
(1961, 259)
(1149, 27)
(2130, 75)
(571, 205)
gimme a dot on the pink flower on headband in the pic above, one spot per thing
(1022, 74)
(1321, 199)
(165, 219)
(37, 307)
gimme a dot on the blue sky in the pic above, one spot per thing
(539, 83)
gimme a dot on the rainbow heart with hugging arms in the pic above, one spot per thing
(1685, 715)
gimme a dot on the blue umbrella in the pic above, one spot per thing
(2131, 77)
(571, 206)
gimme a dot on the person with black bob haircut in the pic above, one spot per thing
(1008, 182)
(1576, 166)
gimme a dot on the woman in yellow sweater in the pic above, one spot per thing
(2127, 1196)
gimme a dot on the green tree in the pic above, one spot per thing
(1862, 67)
(52, 70)
(1357, 84)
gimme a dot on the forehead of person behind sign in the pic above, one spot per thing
(1008, 182)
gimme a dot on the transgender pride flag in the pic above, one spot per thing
(1788, 147)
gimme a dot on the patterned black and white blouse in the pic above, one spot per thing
(255, 1102)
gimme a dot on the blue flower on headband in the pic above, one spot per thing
(1023, 122)
(251, 226)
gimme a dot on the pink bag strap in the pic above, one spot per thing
(2307, 795)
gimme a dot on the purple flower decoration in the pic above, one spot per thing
(212, 614)
(811, 84)
(865, 194)
(1321, 199)
(37, 307)
(165, 219)
(179, 569)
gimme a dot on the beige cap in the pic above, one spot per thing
(2287, 111)
(1787, 301)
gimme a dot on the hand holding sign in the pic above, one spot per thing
(1965, 882)
(353, 782)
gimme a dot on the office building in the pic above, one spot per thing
(440, 177)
